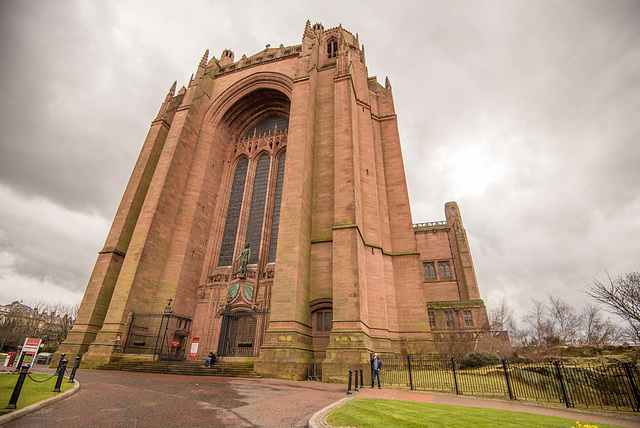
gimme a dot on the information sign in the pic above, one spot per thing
(195, 342)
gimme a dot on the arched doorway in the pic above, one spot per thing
(238, 334)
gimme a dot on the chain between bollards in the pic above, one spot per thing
(349, 388)
(63, 368)
(16, 390)
(73, 371)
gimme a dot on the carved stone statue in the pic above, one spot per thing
(245, 254)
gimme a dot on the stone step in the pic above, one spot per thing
(193, 368)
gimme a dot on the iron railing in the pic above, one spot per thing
(604, 386)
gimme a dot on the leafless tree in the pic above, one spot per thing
(540, 331)
(565, 321)
(621, 296)
(597, 330)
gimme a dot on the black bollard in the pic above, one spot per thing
(349, 388)
(16, 390)
(60, 361)
(73, 371)
(361, 379)
(356, 384)
(63, 368)
(20, 360)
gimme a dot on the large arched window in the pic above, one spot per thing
(258, 147)
(233, 214)
(258, 199)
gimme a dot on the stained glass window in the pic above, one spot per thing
(256, 215)
(233, 214)
(275, 223)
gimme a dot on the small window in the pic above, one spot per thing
(445, 270)
(324, 320)
(432, 319)
(429, 270)
(332, 49)
(448, 317)
(468, 319)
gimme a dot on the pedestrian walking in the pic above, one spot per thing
(376, 365)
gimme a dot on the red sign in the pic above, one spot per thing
(175, 343)
(118, 338)
(195, 342)
(31, 346)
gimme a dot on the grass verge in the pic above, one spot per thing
(31, 393)
(363, 412)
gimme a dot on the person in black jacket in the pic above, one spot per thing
(376, 365)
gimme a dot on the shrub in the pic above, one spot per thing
(479, 359)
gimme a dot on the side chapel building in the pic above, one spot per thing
(294, 153)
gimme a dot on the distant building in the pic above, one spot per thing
(18, 321)
(293, 153)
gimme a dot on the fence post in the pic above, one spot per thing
(63, 368)
(506, 376)
(634, 388)
(349, 387)
(16, 390)
(361, 379)
(410, 374)
(455, 378)
(73, 371)
(562, 387)
(355, 387)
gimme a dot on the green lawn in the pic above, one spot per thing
(32, 392)
(362, 412)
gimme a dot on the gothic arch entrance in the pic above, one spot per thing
(238, 333)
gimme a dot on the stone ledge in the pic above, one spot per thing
(319, 418)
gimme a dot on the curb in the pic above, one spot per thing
(319, 418)
(5, 419)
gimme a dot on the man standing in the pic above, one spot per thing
(376, 365)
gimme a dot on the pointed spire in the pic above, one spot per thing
(308, 32)
(387, 84)
(205, 58)
(172, 90)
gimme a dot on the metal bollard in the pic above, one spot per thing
(63, 368)
(356, 384)
(16, 390)
(60, 361)
(349, 388)
(361, 379)
(73, 371)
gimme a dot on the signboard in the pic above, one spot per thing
(175, 343)
(195, 342)
(118, 338)
(31, 345)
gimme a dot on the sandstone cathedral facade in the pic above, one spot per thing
(267, 217)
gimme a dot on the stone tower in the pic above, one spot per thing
(293, 154)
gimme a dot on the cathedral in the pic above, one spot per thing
(267, 219)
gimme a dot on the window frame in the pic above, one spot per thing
(444, 269)
(467, 315)
(449, 319)
(428, 273)
(432, 319)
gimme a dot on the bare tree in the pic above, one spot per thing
(597, 330)
(540, 331)
(621, 296)
(566, 322)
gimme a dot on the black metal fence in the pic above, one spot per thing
(604, 386)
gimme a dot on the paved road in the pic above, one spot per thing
(123, 399)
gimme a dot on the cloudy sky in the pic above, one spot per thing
(527, 113)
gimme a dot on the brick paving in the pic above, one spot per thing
(124, 399)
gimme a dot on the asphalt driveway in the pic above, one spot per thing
(125, 399)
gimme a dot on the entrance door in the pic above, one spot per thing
(238, 335)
